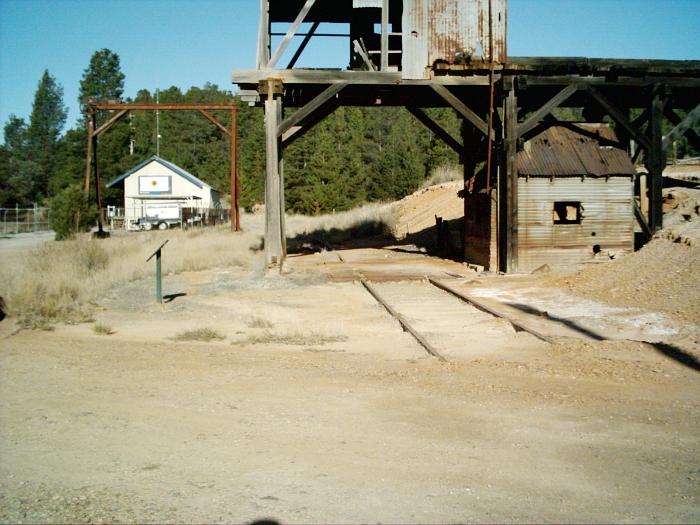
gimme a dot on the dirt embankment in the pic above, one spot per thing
(417, 211)
(663, 276)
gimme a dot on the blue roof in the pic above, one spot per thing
(177, 169)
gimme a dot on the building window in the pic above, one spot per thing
(567, 212)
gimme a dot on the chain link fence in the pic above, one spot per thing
(24, 220)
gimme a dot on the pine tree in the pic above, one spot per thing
(45, 125)
(102, 79)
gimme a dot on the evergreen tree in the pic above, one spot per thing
(102, 79)
(45, 125)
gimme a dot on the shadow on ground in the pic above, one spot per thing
(441, 241)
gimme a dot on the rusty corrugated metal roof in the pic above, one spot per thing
(570, 150)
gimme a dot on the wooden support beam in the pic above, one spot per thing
(511, 180)
(656, 161)
(385, 37)
(436, 129)
(690, 134)
(104, 127)
(290, 33)
(303, 45)
(461, 108)
(274, 253)
(296, 132)
(263, 36)
(681, 128)
(310, 108)
(363, 55)
(282, 205)
(618, 117)
(641, 219)
(545, 110)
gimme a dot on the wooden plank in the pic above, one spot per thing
(681, 128)
(618, 117)
(333, 76)
(384, 62)
(273, 234)
(481, 306)
(263, 36)
(361, 52)
(436, 129)
(511, 179)
(641, 219)
(310, 108)
(303, 45)
(290, 33)
(402, 321)
(461, 107)
(545, 110)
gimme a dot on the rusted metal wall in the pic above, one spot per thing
(451, 32)
(606, 220)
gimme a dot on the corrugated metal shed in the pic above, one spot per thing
(451, 32)
(574, 150)
(580, 166)
(606, 223)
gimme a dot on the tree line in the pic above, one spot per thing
(354, 156)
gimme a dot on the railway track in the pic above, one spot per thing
(443, 323)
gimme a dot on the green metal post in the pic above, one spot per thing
(159, 290)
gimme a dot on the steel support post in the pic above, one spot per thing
(96, 170)
(159, 285)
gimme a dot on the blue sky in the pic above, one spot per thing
(189, 42)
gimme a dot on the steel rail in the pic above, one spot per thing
(402, 321)
(481, 306)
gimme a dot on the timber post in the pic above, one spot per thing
(656, 163)
(510, 179)
(275, 244)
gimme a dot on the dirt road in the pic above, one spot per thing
(316, 407)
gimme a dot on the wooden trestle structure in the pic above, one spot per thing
(502, 104)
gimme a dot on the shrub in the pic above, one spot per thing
(71, 213)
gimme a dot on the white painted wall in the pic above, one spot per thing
(183, 192)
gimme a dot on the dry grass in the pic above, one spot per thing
(259, 322)
(199, 334)
(290, 338)
(363, 221)
(102, 329)
(61, 281)
(443, 173)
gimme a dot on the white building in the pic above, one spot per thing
(159, 193)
